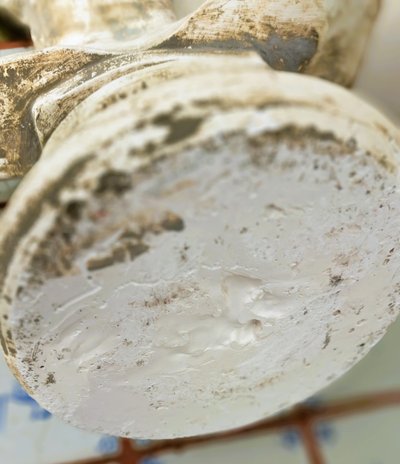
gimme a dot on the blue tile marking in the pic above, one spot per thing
(151, 461)
(291, 439)
(19, 396)
(325, 433)
(143, 442)
(39, 414)
(107, 445)
(3, 411)
(313, 402)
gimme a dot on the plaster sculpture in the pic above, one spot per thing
(203, 242)
(97, 41)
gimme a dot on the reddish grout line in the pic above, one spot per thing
(359, 405)
(310, 442)
(15, 44)
(129, 455)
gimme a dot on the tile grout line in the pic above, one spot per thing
(310, 442)
(15, 44)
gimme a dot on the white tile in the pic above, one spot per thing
(366, 439)
(380, 73)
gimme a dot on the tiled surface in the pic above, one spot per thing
(264, 449)
(369, 438)
(380, 74)
(366, 439)
(11, 51)
(29, 435)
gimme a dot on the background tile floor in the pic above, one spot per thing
(370, 437)
(29, 435)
